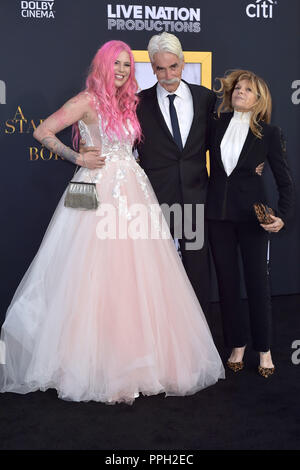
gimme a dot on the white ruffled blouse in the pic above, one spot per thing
(234, 139)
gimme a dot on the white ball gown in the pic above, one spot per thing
(107, 318)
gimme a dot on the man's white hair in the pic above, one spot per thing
(164, 42)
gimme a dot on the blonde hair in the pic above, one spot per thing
(164, 42)
(262, 108)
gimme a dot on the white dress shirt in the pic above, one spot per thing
(234, 139)
(184, 108)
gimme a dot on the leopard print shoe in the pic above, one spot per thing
(266, 371)
(235, 366)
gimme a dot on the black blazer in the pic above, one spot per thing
(232, 197)
(176, 176)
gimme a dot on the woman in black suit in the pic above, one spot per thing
(241, 142)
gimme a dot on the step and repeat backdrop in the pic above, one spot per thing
(46, 48)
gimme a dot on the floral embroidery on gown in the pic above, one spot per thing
(107, 318)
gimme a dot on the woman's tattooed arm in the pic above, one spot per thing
(71, 112)
(56, 146)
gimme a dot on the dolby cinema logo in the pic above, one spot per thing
(261, 9)
(37, 9)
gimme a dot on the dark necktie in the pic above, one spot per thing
(174, 122)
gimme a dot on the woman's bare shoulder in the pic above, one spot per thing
(86, 101)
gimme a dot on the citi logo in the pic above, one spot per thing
(261, 9)
(2, 92)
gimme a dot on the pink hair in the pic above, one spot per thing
(116, 106)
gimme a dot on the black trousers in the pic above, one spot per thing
(196, 264)
(225, 237)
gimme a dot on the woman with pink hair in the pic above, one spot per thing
(105, 311)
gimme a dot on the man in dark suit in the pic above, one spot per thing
(174, 117)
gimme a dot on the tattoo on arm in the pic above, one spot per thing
(55, 145)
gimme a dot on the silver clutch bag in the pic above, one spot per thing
(81, 195)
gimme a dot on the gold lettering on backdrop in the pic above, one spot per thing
(33, 153)
(10, 126)
(20, 124)
(43, 153)
(31, 127)
(19, 112)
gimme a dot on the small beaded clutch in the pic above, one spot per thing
(81, 195)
